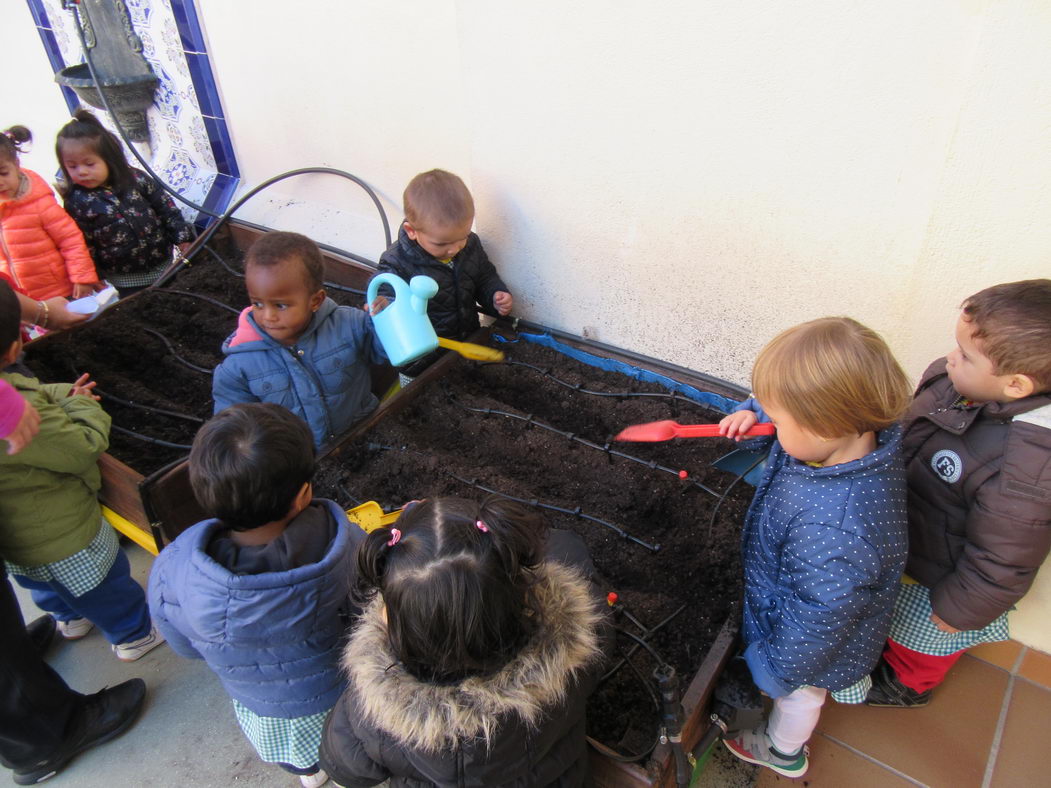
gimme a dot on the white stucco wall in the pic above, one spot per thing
(686, 179)
(30, 96)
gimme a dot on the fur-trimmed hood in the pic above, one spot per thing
(435, 717)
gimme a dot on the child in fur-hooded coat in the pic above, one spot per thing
(522, 724)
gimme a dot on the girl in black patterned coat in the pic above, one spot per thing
(128, 221)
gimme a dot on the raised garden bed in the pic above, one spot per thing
(537, 428)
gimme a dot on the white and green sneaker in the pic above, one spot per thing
(755, 747)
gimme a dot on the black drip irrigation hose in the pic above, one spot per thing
(214, 226)
(240, 274)
(148, 408)
(649, 633)
(171, 349)
(346, 494)
(222, 262)
(616, 756)
(198, 296)
(572, 436)
(575, 512)
(148, 439)
(670, 395)
(644, 680)
(726, 492)
(642, 642)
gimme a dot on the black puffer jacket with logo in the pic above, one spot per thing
(465, 286)
(979, 481)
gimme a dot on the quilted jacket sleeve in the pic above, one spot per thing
(70, 242)
(77, 433)
(343, 754)
(162, 601)
(808, 626)
(1008, 531)
(176, 228)
(488, 280)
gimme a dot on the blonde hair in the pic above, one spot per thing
(437, 199)
(834, 376)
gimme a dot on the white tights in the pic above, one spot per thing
(794, 718)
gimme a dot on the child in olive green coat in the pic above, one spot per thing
(52, 535)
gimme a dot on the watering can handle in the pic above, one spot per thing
(396, 282)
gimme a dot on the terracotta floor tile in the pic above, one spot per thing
(1021, 758)
(1036, 666)
(943, 744)
(1003, 654)
(834, 766)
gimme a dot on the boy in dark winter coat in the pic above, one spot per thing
(258, 592)
(294, 346)
(977, 448)
(824, 538)
(436, 241)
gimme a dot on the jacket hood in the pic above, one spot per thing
(249, 336)
(230, 606)
(435, 717)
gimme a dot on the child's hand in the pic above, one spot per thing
(84, 289)
(942, 626)
(183, 246)
(84, 385)
(503, 302)
(378, 305)
(736, 424)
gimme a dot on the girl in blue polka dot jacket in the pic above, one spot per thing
(824, 541)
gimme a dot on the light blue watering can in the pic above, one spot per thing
(403, 327)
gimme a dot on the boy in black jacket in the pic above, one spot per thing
(436, 241)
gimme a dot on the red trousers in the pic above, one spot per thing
(918, 671)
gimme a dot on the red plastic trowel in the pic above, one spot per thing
(666, 430)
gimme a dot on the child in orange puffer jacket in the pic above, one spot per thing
(41, 248)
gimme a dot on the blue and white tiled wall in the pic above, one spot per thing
(189, 140)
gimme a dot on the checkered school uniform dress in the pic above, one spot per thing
(912, 627)
(80, 572)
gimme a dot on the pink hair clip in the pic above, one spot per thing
(481, 526)
(395, 537)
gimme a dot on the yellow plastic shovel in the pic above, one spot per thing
(370, 515)
(471, 350)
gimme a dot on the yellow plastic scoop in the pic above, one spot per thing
(370, 515)
(471, 350)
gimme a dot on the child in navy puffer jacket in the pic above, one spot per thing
(259, 592)
(293, 346)
(825, 537)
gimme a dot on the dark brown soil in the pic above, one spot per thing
(422, 450)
